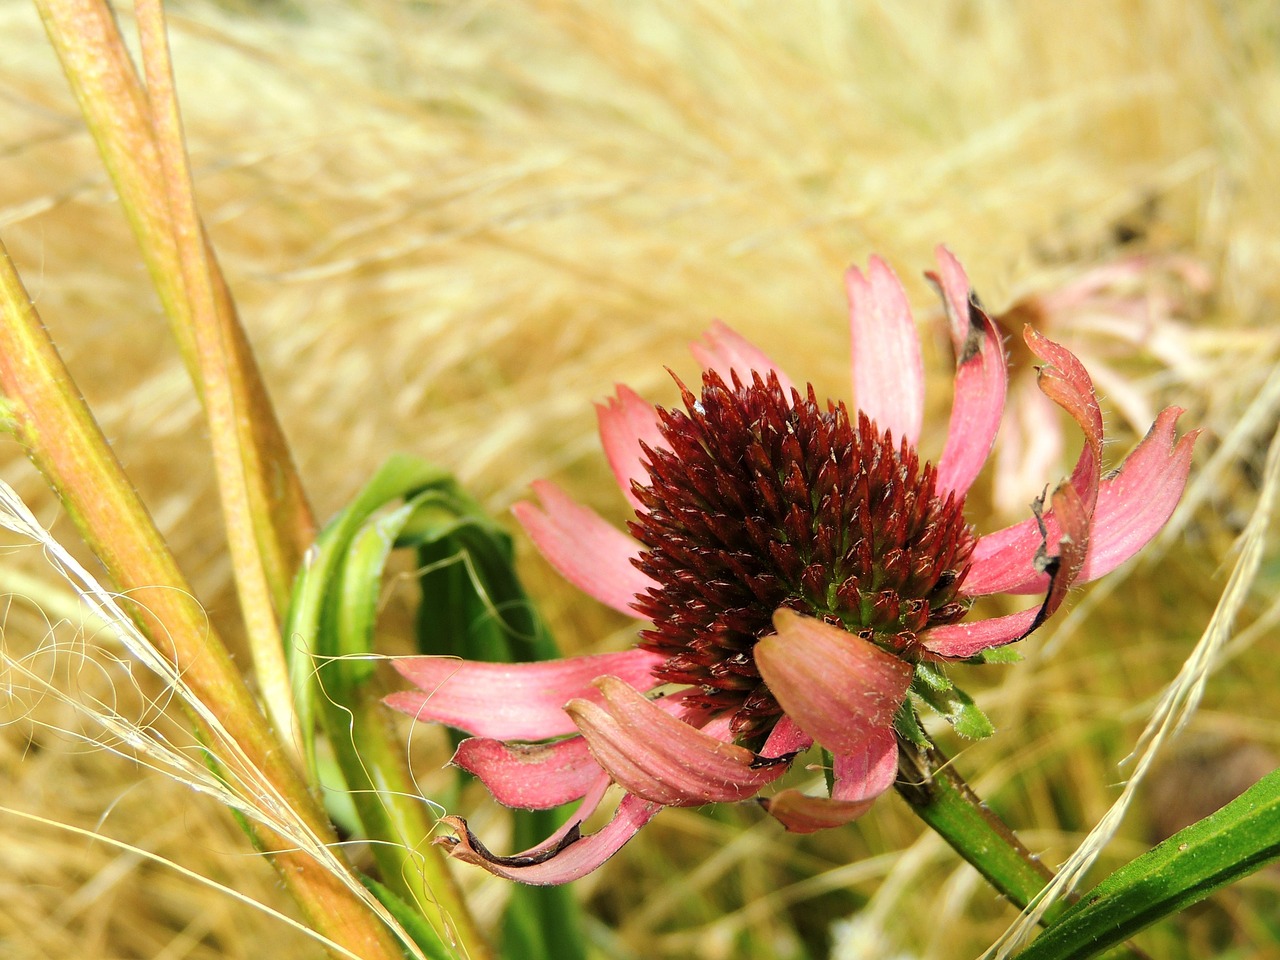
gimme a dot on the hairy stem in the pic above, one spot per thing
(939, 796)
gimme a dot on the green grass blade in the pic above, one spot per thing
(1238, 840)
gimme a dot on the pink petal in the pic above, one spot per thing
(802, 813)
(626, 420)
(1133, 504)
(724, 350)
(869, 772)
(661, 758)
(837, 687)
(859, 779)
(981, 379)
(785, 738)
(1136, 501)
(588, 552)
(572, 827)
(571, 858)
(959, 641)
(530, 776)
(1064, 380)
(888, 372)
(962, 640)
(511, 701)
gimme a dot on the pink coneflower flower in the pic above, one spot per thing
(799, 565)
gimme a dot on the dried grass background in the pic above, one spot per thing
(451, 226)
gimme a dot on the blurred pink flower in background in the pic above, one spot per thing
(1128, 309)
(795, 561)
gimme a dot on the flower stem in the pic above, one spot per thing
(939, 796)
(928, 781)
(138, 132)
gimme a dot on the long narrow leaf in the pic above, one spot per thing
(473, 606)
(1238, 840)
(331, 627)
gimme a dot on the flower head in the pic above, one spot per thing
(800, 566)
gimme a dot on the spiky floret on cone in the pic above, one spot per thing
(763, 498)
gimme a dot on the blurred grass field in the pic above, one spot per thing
(450, 227)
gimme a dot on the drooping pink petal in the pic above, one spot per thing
(588, 552)
(627, 420)
(1133, 504)
(959, 641)
(511, 701)
(962, 640)
(869, 772)
(572, 827)
(981, 379)
(888, 371)
(573, 857)
(801, 812)
(656, 756)
(569, 832)
(723, 350)
(533, 776)
(859, 779)
(837, 687)
(1064, 380)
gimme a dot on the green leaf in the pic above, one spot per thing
(930, 677)
(955, 706)
(410, 919)
(309, 635)
(908, 725)
(968, 720)
(1007, 654)
(331, 630)
(472, 605)
(1238, 840)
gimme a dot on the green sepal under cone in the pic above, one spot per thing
(954, 705)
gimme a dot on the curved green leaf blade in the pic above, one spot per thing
(474, 606)
(1238, 840)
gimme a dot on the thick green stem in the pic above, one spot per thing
(396, 820)
(939, 796)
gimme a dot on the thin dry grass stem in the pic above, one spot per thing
(143, 151)
(1176, 705)
(249, 530)
(49, 417)
(234, 780)
(220, 888)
